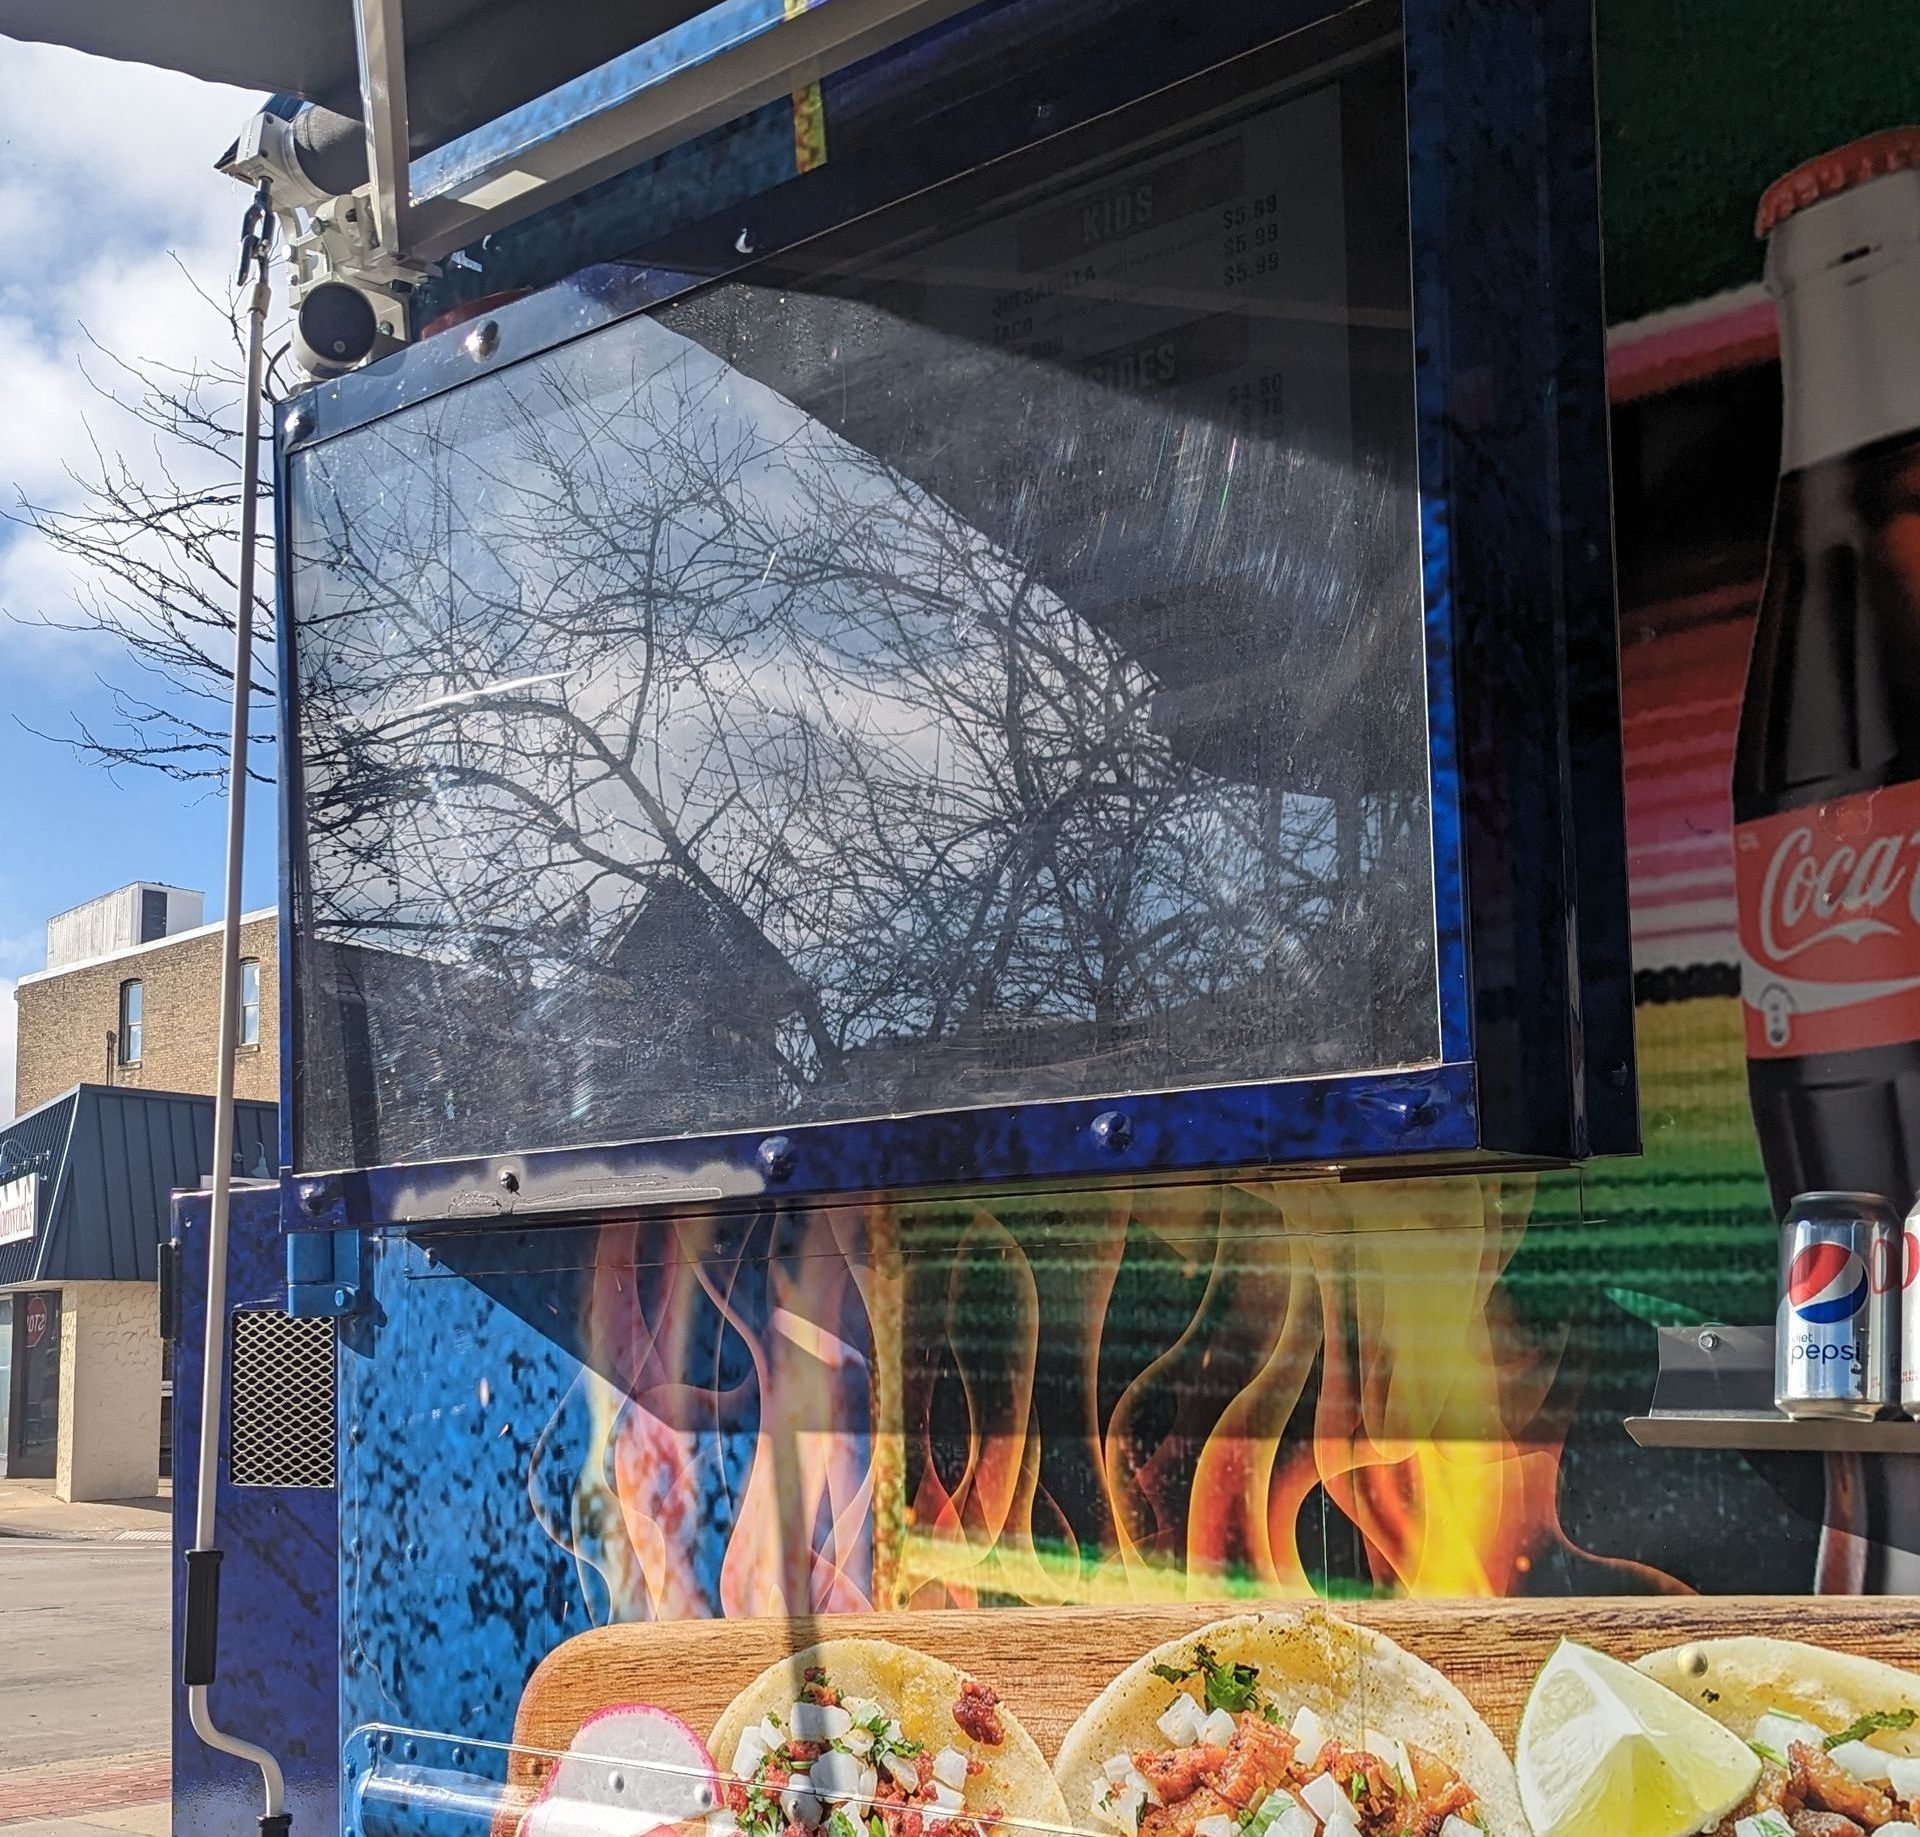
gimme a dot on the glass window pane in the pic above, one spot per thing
(249, 1001)
(132, 1003)
(974, 663)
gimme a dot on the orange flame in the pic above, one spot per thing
(941, 1409)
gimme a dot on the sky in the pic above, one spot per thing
(108, 204)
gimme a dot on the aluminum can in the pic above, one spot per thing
(1835, 1339)
(1908, 1314)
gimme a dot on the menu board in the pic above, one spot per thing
(973, 660)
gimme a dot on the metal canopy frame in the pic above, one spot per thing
(736, 57)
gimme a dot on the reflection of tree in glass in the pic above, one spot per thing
(697, 738)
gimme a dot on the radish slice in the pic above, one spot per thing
(631, 1769)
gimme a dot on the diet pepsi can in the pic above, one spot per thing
(1834, 1341)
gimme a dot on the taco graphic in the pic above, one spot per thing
(865, 1738)
(1287, 1723)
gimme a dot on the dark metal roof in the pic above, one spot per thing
(468, 61)
(109, 1161)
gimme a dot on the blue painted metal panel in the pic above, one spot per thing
(1503, 188)
(451, 1588)
(279, 1603)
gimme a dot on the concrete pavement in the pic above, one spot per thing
(84, 1682)
(29, 1509)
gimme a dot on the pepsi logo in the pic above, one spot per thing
(1827, 1282)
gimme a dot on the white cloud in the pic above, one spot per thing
(110, 212)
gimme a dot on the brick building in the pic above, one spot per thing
(113, 1094)
(130, 996)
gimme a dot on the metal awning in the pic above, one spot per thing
(479, 112)
(468, 61)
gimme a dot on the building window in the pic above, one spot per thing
(249, 1001)
(132, 1005)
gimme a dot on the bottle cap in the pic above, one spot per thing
(1829, 174)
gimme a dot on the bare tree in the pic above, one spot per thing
(149, 535)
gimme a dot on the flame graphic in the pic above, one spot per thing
(1122, 1396)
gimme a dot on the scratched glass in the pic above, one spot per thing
(979, 662)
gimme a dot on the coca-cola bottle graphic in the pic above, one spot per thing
(1826, 779)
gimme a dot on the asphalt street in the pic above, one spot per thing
(83, 1650)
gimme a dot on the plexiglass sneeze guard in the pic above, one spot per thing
(1094, 667)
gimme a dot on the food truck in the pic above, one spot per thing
(1026, 982)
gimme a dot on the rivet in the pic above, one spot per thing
(299, 423)
(482, 341)
(411, 1751)
(339, 1298)
(509, 1180)
(1113, 1130)
(313, 1198)
(1709, 1341)
(777, 1157)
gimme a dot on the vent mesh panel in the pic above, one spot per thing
(282, 1421)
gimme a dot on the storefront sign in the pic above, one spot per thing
(19, 1208)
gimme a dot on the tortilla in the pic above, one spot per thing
(1736, 1681)
(919, 1692)
(1351, 1677)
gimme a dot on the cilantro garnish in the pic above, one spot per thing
(1870, 1724)
(1356, 1787)
(1767, 1754)
(876, 1826)
(1230, 1687)
(840, 1825)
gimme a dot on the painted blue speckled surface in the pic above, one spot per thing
(279, 1602)
(1531, 926)
(451, 1590)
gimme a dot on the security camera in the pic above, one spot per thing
(337, 328)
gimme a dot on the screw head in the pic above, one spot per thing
(1112, 1130)
(509, 1180)
(341, 1297)
(777, 1157)
(1709, 1341)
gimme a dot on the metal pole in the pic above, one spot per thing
(203, 1559)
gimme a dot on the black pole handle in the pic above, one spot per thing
(199, 1641)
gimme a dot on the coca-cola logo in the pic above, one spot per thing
(1830, 924)
(1810, 897)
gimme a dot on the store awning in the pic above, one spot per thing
(95, 1171)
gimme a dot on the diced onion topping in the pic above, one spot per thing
(1310, 1733)
(1324, 1798)
(1182, 1722)
(1864, 1761)
(1217, 1730)
(818, 1721)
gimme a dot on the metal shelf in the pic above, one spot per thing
(1769, 1430)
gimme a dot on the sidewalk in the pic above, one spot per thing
(122, 1797)
(29, 1509)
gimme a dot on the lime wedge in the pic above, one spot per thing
(1606, 1752)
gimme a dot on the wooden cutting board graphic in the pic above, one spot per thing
(1049, 1663)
